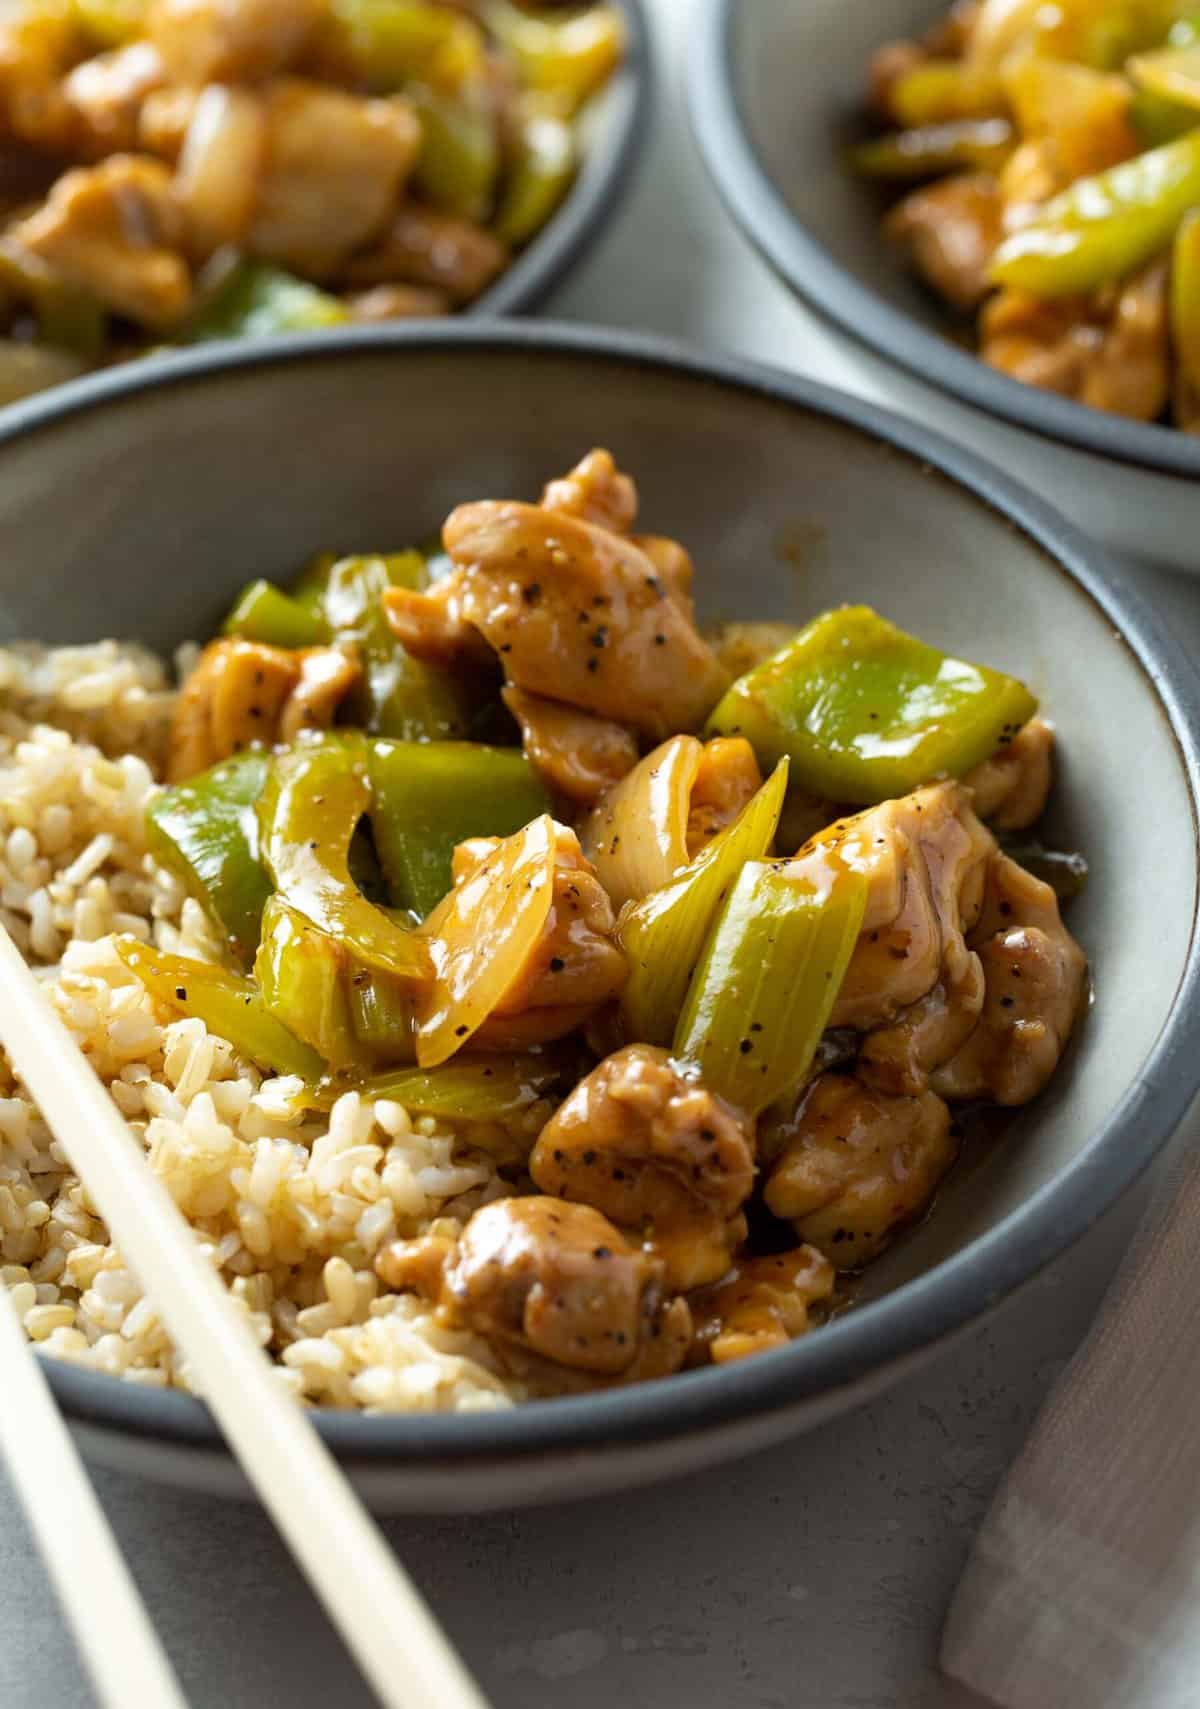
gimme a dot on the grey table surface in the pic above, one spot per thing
(812, 1577)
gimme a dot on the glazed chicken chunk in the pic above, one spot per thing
(553, 1280)
(764, 1303)
(1035, 977)
(1010, 788)
(575, 611)
(576, 753)
(950, 231)
(243, 692)
(644, 1141)
(216, 41)
(858, 1165)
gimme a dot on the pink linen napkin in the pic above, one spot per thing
(1083, 1590)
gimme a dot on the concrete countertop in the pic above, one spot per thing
(812, 1577)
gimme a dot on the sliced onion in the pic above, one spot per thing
(481, 936)
(636, 836)
(220, 165)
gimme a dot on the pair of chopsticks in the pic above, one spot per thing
(371, 1600)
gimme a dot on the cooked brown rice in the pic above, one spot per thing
(291, 1209)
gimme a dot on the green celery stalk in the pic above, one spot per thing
(959, 145)
(539, 174)
(1103, 228)
(765, 988)
(468, 1089)
(427, 797)
(263, 612)
(459, 160)
(229, 1005)
(866, 712)
(664, 934)
(206, 832)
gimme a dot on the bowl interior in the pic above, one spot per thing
(139, 514)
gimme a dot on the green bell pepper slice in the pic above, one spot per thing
(564, 59)
(960, 145)
(392, 43)
(427, 797)
(459, 161)
(263, 612)
(206, 832)
(400, 696)
(301, 973)
(229, 1005)
(314, 797)
(257, 301)
(540, 171)
(766, 985)
(866, 712)
(1105, 227)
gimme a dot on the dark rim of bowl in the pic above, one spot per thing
(805, 265)
(604, 175)
(923, 1311)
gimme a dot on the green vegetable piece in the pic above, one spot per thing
(229, 1005)
(1157, 121)
(866, 712)
(314, 797)
(381, 1015)
(206, 832)
(1105, 227)
(302, 973)
(395, 42)
(258, 301)
(400, 696)
(459, 160)
(1173, 74)
(960, 145)
(563, 59)
(263, 612)
(479, 1089)
(664, 934)
(540, 172)
(429, 797)
(771, 971)
(308, 589)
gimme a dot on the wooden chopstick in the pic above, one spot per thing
(372, 1601)
(119, 1646)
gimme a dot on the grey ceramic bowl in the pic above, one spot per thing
(135, 504)
(776, 89)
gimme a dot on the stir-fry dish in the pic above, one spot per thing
(1056, 150)
(180, 170)
(520, 990)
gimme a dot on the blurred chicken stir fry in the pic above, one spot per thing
(178, 170)
(1054, 152)
(493, 826)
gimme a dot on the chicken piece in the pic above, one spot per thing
(243, 692)
(643, 1140)
(1036, 981)
(858, 1166)
(596, 491)
(1111, 352)
(579, 614)
(727, 778)
(1009, 789)
(334, 167)
(106, 94)
(440, 251)
(949, 232)
(924, 857)
(164, 119)
(554, 1280)
(397, 302)
(575, 753)
(741, 646)
(576, 965)
(764, 1303)
(37, 49)
(115, 231)
(231, 41)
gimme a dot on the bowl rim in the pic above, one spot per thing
(806, 266)
(605, 174)
(884, 1333)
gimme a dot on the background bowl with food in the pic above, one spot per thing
(1044, 313)
(532, 1168)
(177, 171)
